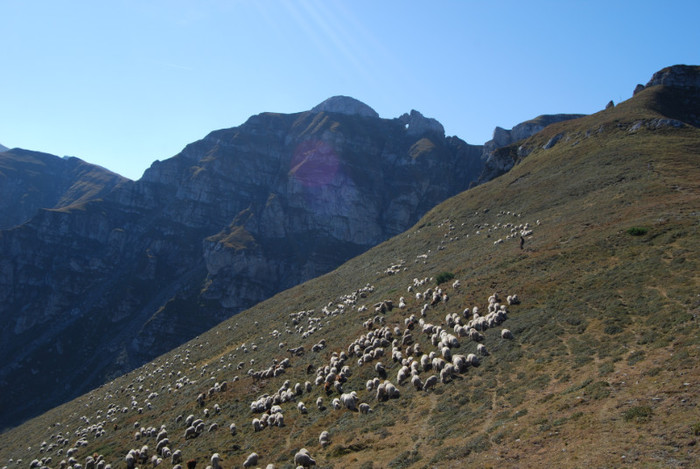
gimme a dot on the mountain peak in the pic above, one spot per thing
(345, 105)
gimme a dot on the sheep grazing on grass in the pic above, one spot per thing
(162, 444)
(302, 408)
(324, 439)
(304, 459)
(251, 460)
(403, 374)
(257, 425)
(319, 404)
(447, 373)
(191, 432)
(416, 382)
(215, 459)
(176, 457)
(232, 428)
(506, 334)
(365, 408)
(336, 404)
(460, 362)
(430, 382)
(381, 371)
(349, 400)
(481, 349)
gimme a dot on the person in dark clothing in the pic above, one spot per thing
(522, 242)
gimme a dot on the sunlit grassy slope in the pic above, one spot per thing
(602, 370)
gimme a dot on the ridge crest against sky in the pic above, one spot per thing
(121, 84)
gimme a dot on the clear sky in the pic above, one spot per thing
(122, 83)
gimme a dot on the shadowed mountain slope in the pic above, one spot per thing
(600, 367)
(90, 290)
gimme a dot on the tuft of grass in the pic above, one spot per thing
(405, 459)
(695, 429)
(598, 390)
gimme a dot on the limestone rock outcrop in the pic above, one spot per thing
(497, 162)
(677, 76)
(345, 105)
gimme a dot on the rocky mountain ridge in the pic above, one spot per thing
(30, 181)
(234, 218)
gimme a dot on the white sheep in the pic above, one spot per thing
(257, 425)
(365, 408)
(302, 408)
(506, 334)
(251, 460)
(403, 374)
(304, 459)
(430, 382)
(324, 439)
(232, 428)
(349, 400)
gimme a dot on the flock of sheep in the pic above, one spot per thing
(389, 346)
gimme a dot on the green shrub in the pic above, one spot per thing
(639, 414)
(443, 277)
(635, 357)
(637, 231)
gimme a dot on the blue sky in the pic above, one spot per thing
(126, 82)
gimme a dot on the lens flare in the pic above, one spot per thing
(315, 163)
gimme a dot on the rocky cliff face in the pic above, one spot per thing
(111, 282)
(30, 181)
(499, 159)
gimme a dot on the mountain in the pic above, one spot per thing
(110, 278)
(3, 148)
(600, 367)
(30, 181)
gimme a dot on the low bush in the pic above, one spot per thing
(637, 231)
(443, 277)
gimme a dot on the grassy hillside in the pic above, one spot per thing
(602, 369)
